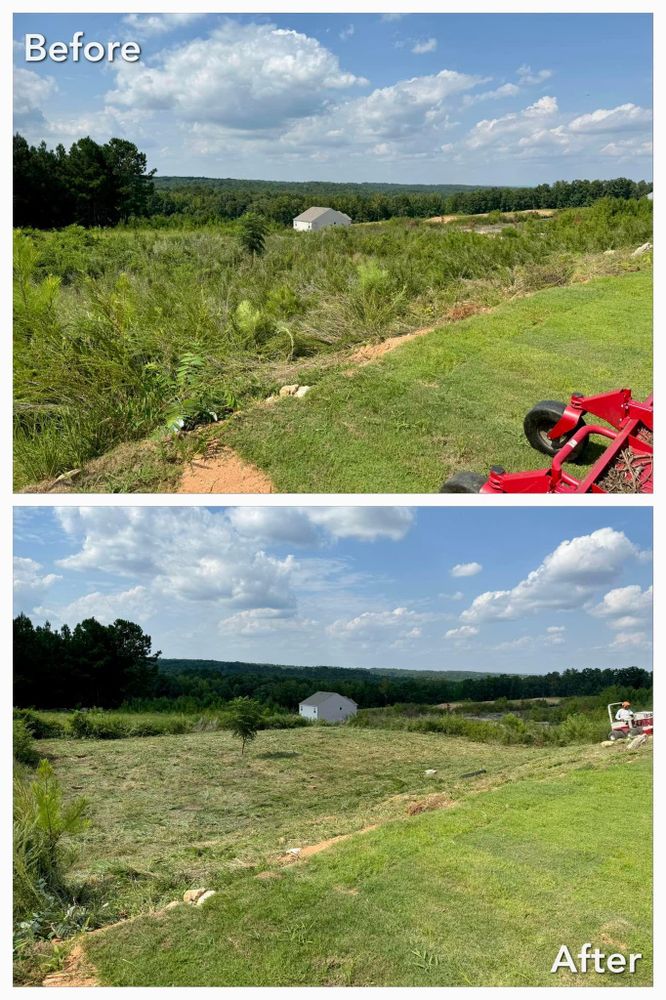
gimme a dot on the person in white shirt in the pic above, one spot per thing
(624, 714)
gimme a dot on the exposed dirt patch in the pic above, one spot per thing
(77, 971)
(543, 213)
(429, 804)
(223, 471)
(268, 875)
(308, 852)
(370, 352)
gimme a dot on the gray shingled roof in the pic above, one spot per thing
(319, 697)
(310, 214)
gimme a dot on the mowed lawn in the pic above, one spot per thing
(172, 812)
(455, 398)
(482, 893)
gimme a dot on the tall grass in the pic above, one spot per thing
(123, 333)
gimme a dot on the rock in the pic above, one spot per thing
(608, 253)
(207, 895)
(288, 390)
(295, 851)
(173, 904)
(193, 895)
(608, 743)
(302, 391)
(637, 741)
(644, 248)
(429, 773)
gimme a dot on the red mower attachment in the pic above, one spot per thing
(560, 431)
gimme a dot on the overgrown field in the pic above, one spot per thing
(121, 334)
(417, 901)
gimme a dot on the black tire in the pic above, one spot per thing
(636, 731)
(540, 420)
(464, 482)
(615, 735)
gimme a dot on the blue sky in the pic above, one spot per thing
(423, 98)
(494, 588)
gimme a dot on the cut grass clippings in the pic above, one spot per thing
(483, 893)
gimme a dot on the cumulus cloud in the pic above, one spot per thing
(150, 25)
(623, 118)
(566, 578)
(505, 90)
(31, 90)
(463, 632)
(304, 525)
(540, 129)
(134, 604)
(243, 77)
(411, 110)
(257, 622)
(374, 625)
(466, 569)
(29, 578)
(187, 554)
(427, 45)
(625, 607)
(631, 641)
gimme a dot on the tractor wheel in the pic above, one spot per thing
(614, 735)
(636, 731)
(540, 420)
(464, 482)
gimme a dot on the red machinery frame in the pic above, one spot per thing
(627, 416)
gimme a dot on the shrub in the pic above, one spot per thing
(40, 727)
(24, 744)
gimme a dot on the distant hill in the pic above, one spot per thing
(236, 667)
(167, 182)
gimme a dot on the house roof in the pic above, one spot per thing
(319, 697)
(310, 214)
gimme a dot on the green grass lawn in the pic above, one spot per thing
(455, 398)
(482, 893)
(544, 845)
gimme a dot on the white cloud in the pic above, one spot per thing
(527, 76)
(135, 604)
(462, 632)
(565, 579)
(623, 118)
(506, 90)
(493, 130)
(378, 625)
(186, 554)
(28, 576)
(466, 569)
(631, 640)
(625, 149)
(625, 607)
(150, 25)
(347, 32)
(241, 77)
(30, 91)
(408, 112)
(263, 622)
(427, 45)
(303, 525)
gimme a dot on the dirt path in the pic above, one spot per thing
(543, 213)
(223, 472)
(371, 352)
(76, 971)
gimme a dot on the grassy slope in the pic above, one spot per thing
(175, 811)
(456, 398)
(483, 893)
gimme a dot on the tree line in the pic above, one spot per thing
(112, 665)
(88, 185)
(103, 185)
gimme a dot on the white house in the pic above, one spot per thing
(327, 706)
(315, 218)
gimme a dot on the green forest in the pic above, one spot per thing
(102, 185)
(113, 665)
